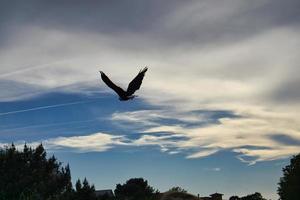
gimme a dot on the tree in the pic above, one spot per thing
(84, 191)
(28, 174)
(135, 189)
(177, 189)
(78, 185)
(289, 184)
(255, 196)
(234, 198)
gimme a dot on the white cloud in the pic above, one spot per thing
(250, 135)
(97, 142)
(203, 153)
(241, 73)
(215, 169)
(173, 152)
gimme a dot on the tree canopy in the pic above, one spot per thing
(84, 191)
(135, 189)
(255, 196)
(30, 175)
(289, 184)
(177, 189)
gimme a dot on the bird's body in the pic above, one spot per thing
(134, 85)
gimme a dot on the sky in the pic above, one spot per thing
(218, 110)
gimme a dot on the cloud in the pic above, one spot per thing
(252, 136)
(266, 154)
(12, 91)
(97, 142)
(46, 107)
(155, 117)
(233, 56)
(203, 153)
(216, 169)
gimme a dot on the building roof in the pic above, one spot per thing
(216, 194)
(205, 198)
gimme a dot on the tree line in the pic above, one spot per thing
(29, 174)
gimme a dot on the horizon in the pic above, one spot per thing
(218, 109)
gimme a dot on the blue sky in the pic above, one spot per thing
(217, 111)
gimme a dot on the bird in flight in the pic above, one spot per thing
(133, 86)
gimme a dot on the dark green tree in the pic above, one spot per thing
(84, 191)
(78, 185)
(135, 189)
(177, 189)
(255, 196)
(289, 184)
(29, 174)
(234, 198)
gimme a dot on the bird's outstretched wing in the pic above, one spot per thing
(136, 83)
(113, 86)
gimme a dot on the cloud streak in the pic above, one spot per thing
(47, 107)
(96, 142)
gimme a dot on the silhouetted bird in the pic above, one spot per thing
(134, 85)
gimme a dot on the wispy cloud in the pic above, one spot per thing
(247, 135)
(47, 107)
(47, 125)
(24, 69)
(203, 153)
(251, 137)
(215, 169)
(236, 56)
(97, 142)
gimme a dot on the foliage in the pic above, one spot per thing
(84, 191)
(174, 195)
(135, 189)
(234, 198)
(177, 189)
(289, 184)
(28, 174)
(255, 196)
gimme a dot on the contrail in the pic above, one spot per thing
(29, 68)
(47, 107)
(49, 125)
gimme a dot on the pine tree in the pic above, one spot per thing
(28, 174)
